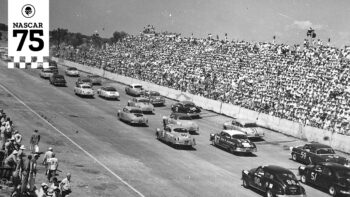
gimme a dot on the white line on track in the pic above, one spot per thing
(76, 144)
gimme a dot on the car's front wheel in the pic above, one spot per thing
(332, 191)
(303, 178)
(245, 183)
(269, 194)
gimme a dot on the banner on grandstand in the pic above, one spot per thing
(28, 32)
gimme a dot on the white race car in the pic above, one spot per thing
(84, 90)
(108, 92)
(72, 71)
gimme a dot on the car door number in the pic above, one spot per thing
(313, 176)
(303, 155)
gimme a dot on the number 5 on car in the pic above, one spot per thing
(28, 33)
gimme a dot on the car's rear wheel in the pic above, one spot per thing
(269, 193)
(294, 157)
(245, 183)
(332, 191)
(303, 178)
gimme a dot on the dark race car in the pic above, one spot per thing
(233, 141)
(313, 153)
(186, 107)
(155, 98)
(333, 177)
(273, 180)
(57, 80)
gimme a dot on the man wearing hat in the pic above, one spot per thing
(65, 186)
(18, 137)
(42, 192)
(52, 166)
(21, 149)
(47, 155)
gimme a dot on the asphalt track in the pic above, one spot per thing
(144, 165)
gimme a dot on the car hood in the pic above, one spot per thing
(144, 105)
(334, 158)
(182, 135)
(156, 98)
(251, 130)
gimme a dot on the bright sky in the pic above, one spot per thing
(251, 20)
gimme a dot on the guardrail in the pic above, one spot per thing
(337, 141)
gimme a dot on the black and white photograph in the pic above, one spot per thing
(174, 98)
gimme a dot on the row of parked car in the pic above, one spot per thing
(324, 169)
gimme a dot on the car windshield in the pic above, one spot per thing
(189, 105)
(72, 69)
(86, 87)
(136, 111)
(180, 130)
(185, 118)
(48, 71)
(111, 89)
(239, 136)
(143, 100)
(325, 151)
(85, 80)
(59, 77)
(248, 125)
(287, 175)
(154, 94)
(343, 173)
(138, 87)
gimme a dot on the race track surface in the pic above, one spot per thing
(151, 167)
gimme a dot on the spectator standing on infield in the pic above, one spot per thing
(34, 141)
(48, 155)
(65, 185)
(53, 165)
(32, 172)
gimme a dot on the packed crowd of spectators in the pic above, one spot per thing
(306, 83)
(18, 167)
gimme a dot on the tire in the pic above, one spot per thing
(225, 128)
(303, 179)
(332, 191)
(231, 150)
(294, 157)
(157, 135)
(245, 183)
(269, 193)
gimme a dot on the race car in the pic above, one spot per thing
(143, 104)
(53, 65)
(134, 90)
(108, 92)
(132, 115)
(83, 80)
(72, 72)
(95, 79)
(186, 107)
(176, 135)
(57, 80)
(46, 73)
(183, 120)
(155, 98)
(233, 141)
(249, 127)
(313, 153)
(333, 177)
(84, 90)
(274, 181)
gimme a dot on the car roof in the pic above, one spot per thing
(335, 166)
(233, 132)
(132, 108)
(276, 169)
(318, 145)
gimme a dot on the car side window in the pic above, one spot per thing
(268, 175)
(326, 171)
(318, 168)
(313, 150)
(260, 171)
(307, 148)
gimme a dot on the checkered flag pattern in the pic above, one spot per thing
(22, 61)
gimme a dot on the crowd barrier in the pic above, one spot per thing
(295, 129)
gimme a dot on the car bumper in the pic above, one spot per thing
(87, 94)
(139, 122)
(59, 83)
(158, 102)
(73, 74)
(300, 195)
(112, 96)
(193, 114)
(185, 143)
(146, 110)
(343, 191)
(246, 150)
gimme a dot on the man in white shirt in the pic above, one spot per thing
(52, 165)
(65, 185)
